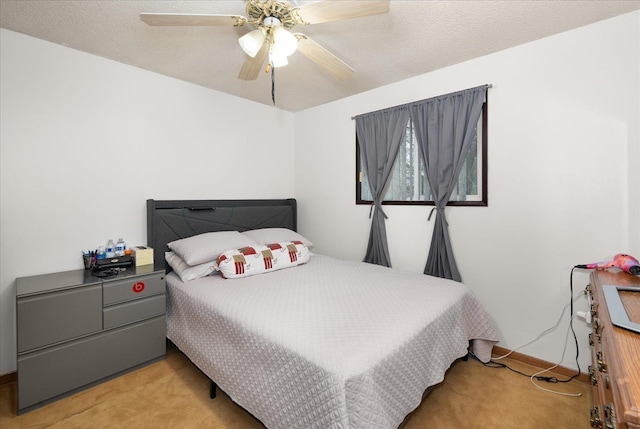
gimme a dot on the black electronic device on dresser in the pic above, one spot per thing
(75, 329)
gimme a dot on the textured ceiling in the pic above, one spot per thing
(414, 38)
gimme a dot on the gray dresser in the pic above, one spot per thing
(75, 329)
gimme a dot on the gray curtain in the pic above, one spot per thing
(444, 127)
(379, 136)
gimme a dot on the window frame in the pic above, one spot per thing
(484, 202)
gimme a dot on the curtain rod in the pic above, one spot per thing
(488, 85)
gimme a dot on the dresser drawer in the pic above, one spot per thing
(130, 288)
(58, 370)
(133, 311)
(58, 316)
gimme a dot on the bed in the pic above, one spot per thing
(324, 343)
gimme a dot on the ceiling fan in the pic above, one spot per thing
(271, 39)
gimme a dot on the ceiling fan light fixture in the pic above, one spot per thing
(252, 42)
(285, 42)
(277, 59)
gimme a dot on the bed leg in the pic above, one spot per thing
(212, 390)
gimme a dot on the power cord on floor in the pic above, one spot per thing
(538, 375)
(493, 364)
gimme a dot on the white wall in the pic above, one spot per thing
(634, 149)
(85, 141)
(564, 147)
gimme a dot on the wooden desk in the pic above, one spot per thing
(615, 354)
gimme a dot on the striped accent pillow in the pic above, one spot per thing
(252, 260)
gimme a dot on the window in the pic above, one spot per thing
(408, 183)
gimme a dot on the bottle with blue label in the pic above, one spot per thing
(110, 249)
(120, 247)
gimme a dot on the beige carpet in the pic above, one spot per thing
(173, 393)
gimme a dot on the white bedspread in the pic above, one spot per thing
(328, 344)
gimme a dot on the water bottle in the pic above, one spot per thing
(102, 252)
(111, 249)
(120, 247)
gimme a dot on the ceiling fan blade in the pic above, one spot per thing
(333, 10)
(188, 19)
(323, 58)
(252, 66)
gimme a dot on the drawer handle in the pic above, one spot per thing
(595, 419)
(138, 287)
(593, 376)
(609, 417)
(602, 364)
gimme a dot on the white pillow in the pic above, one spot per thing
(187, 272)
(206, 247)
(249, 261)
(276, 235)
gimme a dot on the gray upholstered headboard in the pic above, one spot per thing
(171, 220)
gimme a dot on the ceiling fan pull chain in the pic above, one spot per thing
(273, 85)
